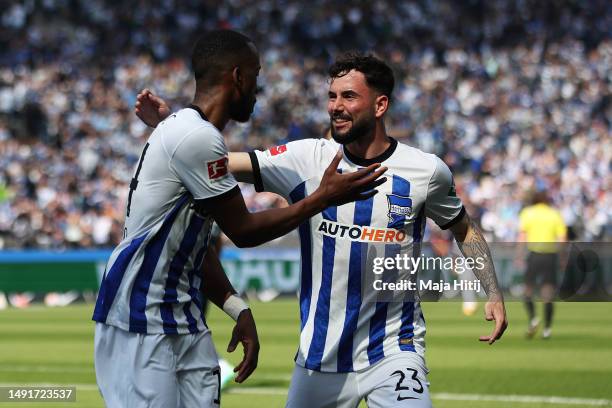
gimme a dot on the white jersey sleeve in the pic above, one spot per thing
(281, 168)
(442, 204)
(200, 163)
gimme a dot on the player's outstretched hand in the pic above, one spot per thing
(245, 332)
(495, 310)
(337, 189)
(150, 108)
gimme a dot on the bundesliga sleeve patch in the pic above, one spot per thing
(217, 169)
(276, 150)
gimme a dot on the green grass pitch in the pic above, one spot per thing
(55, 346)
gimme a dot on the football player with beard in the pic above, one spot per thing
(152, 345)
(354, 344)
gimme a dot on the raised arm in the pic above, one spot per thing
(241, 167)
(247, 229)
(473, 245)
(150, 108)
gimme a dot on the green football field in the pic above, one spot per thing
(573, 369)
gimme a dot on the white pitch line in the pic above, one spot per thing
(43, 369)
(272, 377)
(525, 399)
(40, 368)
(258, 390)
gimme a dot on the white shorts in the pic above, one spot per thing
(399, 380)
(156, 370)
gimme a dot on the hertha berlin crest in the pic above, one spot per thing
(400, 208)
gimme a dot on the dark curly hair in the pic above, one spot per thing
(378, 74)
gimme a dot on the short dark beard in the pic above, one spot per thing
(242, 110)
(357, 131)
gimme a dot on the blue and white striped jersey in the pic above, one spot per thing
(343, 326)
(152, 279)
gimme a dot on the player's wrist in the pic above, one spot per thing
(234, 306)
(495, 298)
(316, 202)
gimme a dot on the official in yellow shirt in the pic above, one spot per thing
(542, 228)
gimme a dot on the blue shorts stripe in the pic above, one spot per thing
(321, 318)
(112, 280)
(177, 265)
(153, 250)
(306, 258)
(363, 217)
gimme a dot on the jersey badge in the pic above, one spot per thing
(400, 209)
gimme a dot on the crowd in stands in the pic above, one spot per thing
(513, 95)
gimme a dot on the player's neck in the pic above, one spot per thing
(370, 146)
(214, 106)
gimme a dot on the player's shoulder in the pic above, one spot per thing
(524, 211)
(418, 157)
(308, 144)
(556, 213)
(527, 212)
(187, 129)
(329, 147)
(304, 149)
(188, 120)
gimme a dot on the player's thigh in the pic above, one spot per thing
(200, 388)
(313, 389)
(109, 353)
(199, 375)
(398, 381)
(134, 370)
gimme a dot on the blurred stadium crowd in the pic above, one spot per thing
(514, 95)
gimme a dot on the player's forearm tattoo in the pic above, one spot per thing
(475, 246)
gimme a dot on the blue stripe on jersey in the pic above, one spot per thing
(192, 323)
(406, 331)
(321, 318)
(363, 217)
(407, 319)
(138, 297)
(195, 292)
(377, 332)
(177, 265)
(296, 195)
(112, 280)
(401, 191)
(419, 228)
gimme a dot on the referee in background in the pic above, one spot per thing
(542, 228)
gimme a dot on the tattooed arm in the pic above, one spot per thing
(473, 245)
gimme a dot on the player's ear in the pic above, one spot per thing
(237, 76)
(381, 104)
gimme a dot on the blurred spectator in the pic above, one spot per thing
(513, 95)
